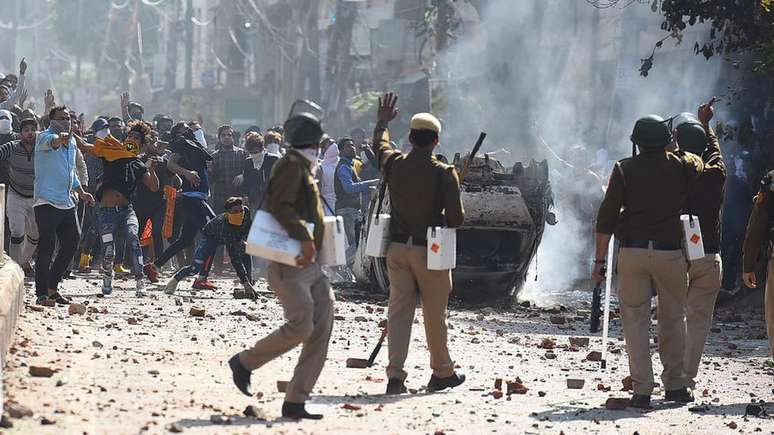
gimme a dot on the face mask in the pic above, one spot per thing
(199, 135)
(311, 154)
(102, 133)
(60, 126)
(5, 126)
(235, 219)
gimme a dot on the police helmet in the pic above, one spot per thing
(651, 131)
(691, 135)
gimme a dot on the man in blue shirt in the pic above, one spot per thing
(348, 189)
(54, 206)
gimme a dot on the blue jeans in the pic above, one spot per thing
(119, 220)
(203, 256)
(351, 217)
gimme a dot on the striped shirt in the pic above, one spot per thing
(21, 167)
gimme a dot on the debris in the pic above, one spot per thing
(594, 355)
(542, 393)
(5, 422)
(96, 344)
(547, 343)
(254, 412)
(550, 355)
(153, 372)
(41, 372)
(602, 387)
(557, 320)
(575, 384)
(498, 384)
(756, 410)
(579, 341)
(18, 411)
(732, 425)
(357, 363)
(220, 419)
(131, 321)
(37, 308)
(497, 394)
(45, 421)
(282, 386)
(351, 407)
(617, 403)
(196, 312)
(627, 384)
(515, 387)
(76, 309)
(700, 408)
(174, 428)
(360, 319)
(525, 304)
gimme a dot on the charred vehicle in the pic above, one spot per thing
(505, 214)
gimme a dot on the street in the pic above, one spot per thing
(130, 365)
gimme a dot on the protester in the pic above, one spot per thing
(20, 156)
(12, 89)
(229, 228)
(304, 292)
(54, 208)
(273, 141)
(90, 244)
(122, 170)
(649, 233)
(327, 173)
(189, 161)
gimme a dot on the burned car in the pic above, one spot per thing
(505, 214)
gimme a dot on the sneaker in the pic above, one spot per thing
(171, 286)
(58, 298)
(107, 285)
(682, 395)
(151, 272)
(438, 384)
(203, 284)
(395, 386)
(139, 288)
(120, 269)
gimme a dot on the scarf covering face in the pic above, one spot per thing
(112, 149)
(6, 122)
(311, 155)
(235, 218)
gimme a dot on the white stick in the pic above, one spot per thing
(608, 286)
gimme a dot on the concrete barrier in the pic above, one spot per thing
(11, 297)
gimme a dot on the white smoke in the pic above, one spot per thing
(568, 72)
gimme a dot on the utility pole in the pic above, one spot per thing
(188, 44)
(79, 40)
(172, 29)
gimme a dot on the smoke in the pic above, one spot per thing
(568, 73)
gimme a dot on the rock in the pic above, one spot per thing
(351, 407)
(76, 309)
(497, 394)
(557, 320)
(360, 319)
(174, 428)
(515, 387)
(41, 372)
(357, 363)
(525, 304)
(575, 384)
(732, 425)
(617, 403)
(338, 318)
(594, 355)
(197, 312)
(131, 321)
(178, 302)
(542, 393)
(550, 355)
(61, 382)
(17, 411)
(579, 341)
(45, 421)
(254, 412)
(5, 422)
(603, 387)
(498, 384)
(220, 419)
(627, 384)
(96, 344)
(547, 343)
(282, 386)
(153, 372)
(37, 308)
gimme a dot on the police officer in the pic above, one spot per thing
(706, 200)
(304, 292)
(423, 192)
(642, 207)
(760, 231)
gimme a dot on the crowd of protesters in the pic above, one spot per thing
(128, 196)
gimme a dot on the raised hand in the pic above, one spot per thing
(706, 112)
(23, 98)
(125, 100)
(387, 110)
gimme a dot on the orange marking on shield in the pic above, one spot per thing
(695, 239)
(435, 248)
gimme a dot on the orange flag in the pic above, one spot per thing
(169, 213)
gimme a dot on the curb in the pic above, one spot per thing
(11, 302)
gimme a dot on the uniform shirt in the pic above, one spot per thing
(218, 229)
(421, 189)
(759, 226)
(293, 199)
(121, 175)
(646, 195)
(21, 167)
(226, 165)
(706, 198)
(59, 166)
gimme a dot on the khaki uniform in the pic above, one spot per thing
(642, 207)
(760, 228)
(305, 294)
(421, 189)
(705, 275)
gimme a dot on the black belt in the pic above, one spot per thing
(399, 238)
(651, 244)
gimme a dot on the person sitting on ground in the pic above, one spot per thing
(229, 228)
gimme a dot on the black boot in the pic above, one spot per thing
(297, 411)
(438, 384)
(395, 386)
(681, 395)
(58, 298)
(240, 375)
(641, 401)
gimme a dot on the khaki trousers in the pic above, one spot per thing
(639, 272)
(307, 301)
(704, 281)
(410, 281)
(769, 306)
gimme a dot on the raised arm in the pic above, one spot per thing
(386, 112)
